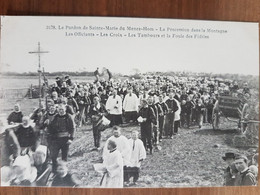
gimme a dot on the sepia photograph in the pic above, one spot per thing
(114, 102)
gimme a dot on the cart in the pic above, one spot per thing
(234, 109)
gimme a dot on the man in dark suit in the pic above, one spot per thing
(61, 134)
(173, 107)
(230, 171)
(165, 110)
(96, 111)
(147, 119)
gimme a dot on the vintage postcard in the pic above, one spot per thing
(107, 102)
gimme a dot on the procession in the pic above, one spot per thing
(35, 147)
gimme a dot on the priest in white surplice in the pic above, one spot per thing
(138, 154)
(113, 167)
(114, 108)
(130, 106)
(122, 146)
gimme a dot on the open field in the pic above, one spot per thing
(18, 82)
(192, 158)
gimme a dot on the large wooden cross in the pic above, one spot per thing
(39, 52)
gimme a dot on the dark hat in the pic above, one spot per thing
(229, 155)
(57, 78)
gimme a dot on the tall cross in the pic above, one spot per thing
(39, 52)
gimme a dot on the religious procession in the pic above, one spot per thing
(35, 148)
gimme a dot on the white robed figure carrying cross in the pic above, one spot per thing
(122, 146)
(112, 167)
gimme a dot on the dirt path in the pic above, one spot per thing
(191, 158)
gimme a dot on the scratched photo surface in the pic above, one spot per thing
(128, 102)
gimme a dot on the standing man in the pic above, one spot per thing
(16, 116)
(93, 94)
(68, 80)
(55, 98)
(245, 177)
(96, 112)
(158, 112)
(199, 110)
(69, 108)
(81, 102)
(161, 120)
(146, 118)
(45, 121)
(229, 174)
(72, 102)
(109, 74)
(58, 82)
(113, 164)
(122, 146)
(114, 108)
(173, 107)
(177, 118)
(96, 74)
(209, 107)
(138, 154)
(130, 106)
(61, 132)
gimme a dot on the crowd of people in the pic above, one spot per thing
(160, 105)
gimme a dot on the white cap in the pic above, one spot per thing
(22, 161)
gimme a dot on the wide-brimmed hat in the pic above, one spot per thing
(229, 155)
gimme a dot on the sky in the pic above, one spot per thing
(235, 50)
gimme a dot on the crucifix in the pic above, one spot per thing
(39, 52)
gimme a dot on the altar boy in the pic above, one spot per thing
(138, 154)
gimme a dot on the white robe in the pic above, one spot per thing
(114, 177)
(131, 103)
(112, 103)
(137, 152)
(177, 114)
(122, 146)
